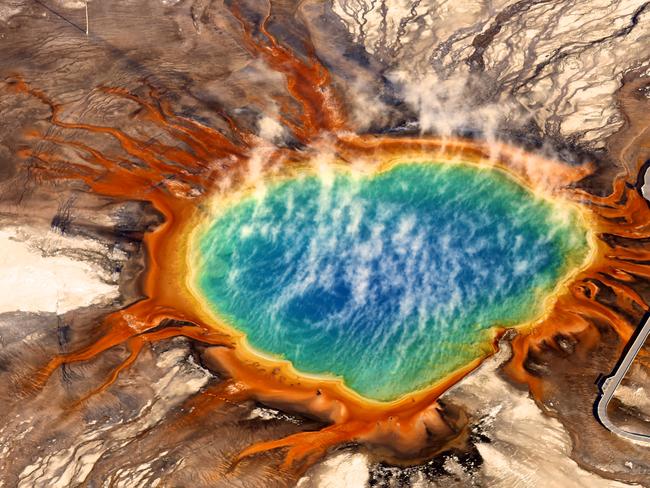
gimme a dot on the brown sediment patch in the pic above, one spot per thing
(179, 178)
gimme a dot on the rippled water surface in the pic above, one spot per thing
(390, 281)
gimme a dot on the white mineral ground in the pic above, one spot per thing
(556, 63)
(41, 272)
(176, 378)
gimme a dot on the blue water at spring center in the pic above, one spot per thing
(391, 281)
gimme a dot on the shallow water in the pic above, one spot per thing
(390, 281)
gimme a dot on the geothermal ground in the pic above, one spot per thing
(337, 331)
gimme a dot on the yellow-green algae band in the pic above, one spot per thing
(389, 281)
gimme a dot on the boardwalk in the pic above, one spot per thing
(608, 384)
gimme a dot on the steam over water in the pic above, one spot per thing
(390, 281)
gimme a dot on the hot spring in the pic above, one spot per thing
(389, 281)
